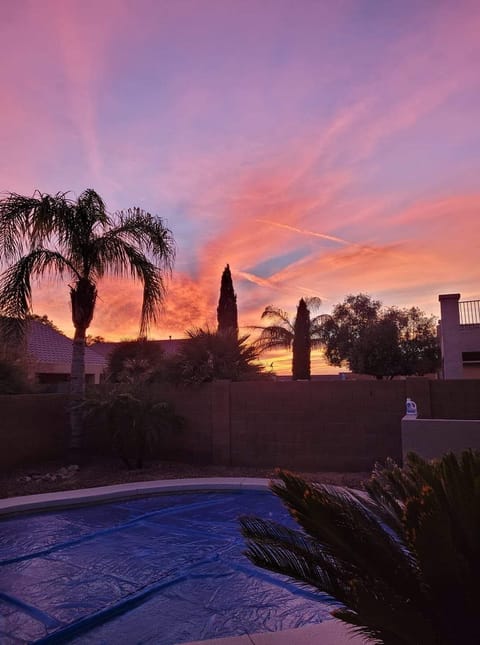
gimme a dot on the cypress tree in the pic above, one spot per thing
(227, 315)
(301, 343)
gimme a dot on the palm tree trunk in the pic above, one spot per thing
(83, 296)
(77, 389)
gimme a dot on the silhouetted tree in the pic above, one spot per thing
(281, 333)
(227, 314)
(301, 343)
(51, 234)
(382, 342)
(45, 320)
(93, 340)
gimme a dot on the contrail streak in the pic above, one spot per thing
(305, 231)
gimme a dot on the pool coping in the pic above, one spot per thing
(77, 496)
(330, 632)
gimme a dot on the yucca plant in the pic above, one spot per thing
(403, 559)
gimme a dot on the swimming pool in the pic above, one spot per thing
(165, 569)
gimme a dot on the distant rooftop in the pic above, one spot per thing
(169, 347)
(46, 345)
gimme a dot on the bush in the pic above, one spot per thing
(135, 418)
(134, 360)
(209, 355)
(404, 559)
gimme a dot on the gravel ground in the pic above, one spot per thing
(47, 477)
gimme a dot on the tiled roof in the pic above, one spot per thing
(103, 348)
(169, 347)
(46, 345)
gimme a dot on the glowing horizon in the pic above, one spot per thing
(320, 149)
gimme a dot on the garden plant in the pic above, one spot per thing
(402, 559)
(135, 418)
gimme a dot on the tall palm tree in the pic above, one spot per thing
(53, 234)
(280, 334)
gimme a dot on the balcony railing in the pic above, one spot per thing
(469, 311)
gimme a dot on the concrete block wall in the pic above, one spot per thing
(309, 426)
(32, 428)
(316, 425)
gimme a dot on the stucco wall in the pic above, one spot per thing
(432, 438)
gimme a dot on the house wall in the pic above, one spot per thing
(60, 372)
(309, 426)
(456, 339)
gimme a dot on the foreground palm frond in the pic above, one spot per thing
(403, 559)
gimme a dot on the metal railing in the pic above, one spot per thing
(469, 311)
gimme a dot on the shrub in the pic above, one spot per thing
(215, 355)
(134, 360)
(404, 559)
(135, 418)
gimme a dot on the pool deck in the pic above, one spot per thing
(330, 632)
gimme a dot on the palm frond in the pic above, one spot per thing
(343, 552)
(213, 355)
(111, 255)
(289, 552)
(404, 560)
(139, 228)
(91, 209)
(332, 514)
(15, 284)
(14, 219)
(313, 303)
(278, 315)
(76, 225)
(274, 337)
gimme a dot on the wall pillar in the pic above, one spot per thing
(452, 364)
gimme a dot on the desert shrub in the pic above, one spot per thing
(212, 355)
(134, 418)
(403, 559)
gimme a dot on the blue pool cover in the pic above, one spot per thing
(160, 570)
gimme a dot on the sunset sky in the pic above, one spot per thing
(320, 148)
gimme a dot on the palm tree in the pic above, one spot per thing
(403, 560)
(284, 333)
(52, 234)
(210, 355)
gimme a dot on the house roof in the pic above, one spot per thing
(170, 347)
(46, 345)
